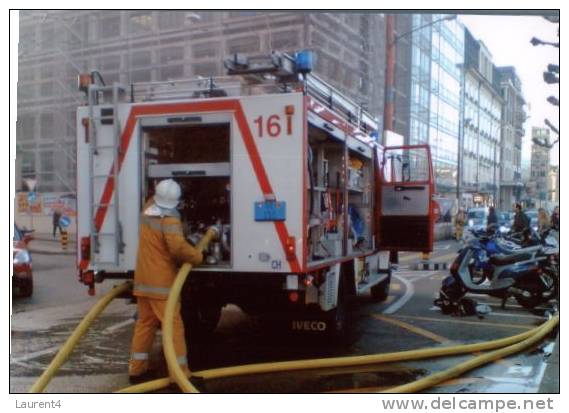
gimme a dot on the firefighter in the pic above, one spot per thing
(459, 221)
(161, 248)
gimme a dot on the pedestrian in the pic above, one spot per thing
(555, 219)
(492, 220)
(543, 221)
(56, 221)
(161, 247)
(459, 221)
(521, 220)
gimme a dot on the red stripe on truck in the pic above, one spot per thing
(231, 105)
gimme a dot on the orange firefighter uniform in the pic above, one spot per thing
(162, 247)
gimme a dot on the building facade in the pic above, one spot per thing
(482, 123)
(436, 53)
(513, 118)
(540, 165)
(140, 46)
(553, 184)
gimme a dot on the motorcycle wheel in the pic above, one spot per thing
(541, 298)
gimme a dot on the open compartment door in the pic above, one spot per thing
(406, 211)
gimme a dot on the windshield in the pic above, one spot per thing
(503, 216)
(531, 214)
(476, 214)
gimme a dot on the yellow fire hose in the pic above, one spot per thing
(506, 346)
(437, 378)
(80, 330)
(174, 368)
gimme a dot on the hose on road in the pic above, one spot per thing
(501, 348)
(65, 351)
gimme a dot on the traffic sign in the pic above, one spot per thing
(32, 196)
(64, 221)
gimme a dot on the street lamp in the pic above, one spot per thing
(553, 100)
(538, 42)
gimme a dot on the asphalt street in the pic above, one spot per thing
(406, 320)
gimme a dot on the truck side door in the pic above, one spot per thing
(406, 210)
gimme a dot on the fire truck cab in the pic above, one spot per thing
(309, 202)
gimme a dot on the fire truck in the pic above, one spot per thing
(289, 168)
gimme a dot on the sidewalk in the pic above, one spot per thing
(48, 245)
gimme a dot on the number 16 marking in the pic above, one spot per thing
(273, 125)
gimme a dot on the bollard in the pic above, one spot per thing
(64, 240)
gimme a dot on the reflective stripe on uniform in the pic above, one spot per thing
(172, 229)
(182, 360)
(143, 288)
(139, 356)
(155, 223)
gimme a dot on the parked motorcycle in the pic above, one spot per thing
(530, 275)
(486, 244)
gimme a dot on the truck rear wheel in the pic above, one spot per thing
(200, 319)
(380, 292)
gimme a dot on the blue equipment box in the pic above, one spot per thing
(270, 211)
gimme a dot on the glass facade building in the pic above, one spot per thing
(437, 52)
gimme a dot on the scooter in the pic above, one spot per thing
(525, 275)
(489, 243)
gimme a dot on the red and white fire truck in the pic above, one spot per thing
(309, 202)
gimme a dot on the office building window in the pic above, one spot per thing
(46, 126)
(244, 13)
(28, 163)
(46, 89)
(141, 58)
(46, 161)
(171, 54)
(110, 26)
(246, 44)
(171, 20)
(287, 40)
(205, 69)
(26, 92)
(142, 75)
(25, 128)
(172, 72)
(140, 22)
(205, 50)
(110, 63)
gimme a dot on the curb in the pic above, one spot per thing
(44, 252)
(430, 266)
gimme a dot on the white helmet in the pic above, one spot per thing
(167, 194)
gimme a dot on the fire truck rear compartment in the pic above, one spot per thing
(198, 158)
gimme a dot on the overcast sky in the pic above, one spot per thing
(508, 39)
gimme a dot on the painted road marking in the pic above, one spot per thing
(480, 323)
(118, 326)
(499, 314)
(409, 291)
(441, 247)
(414, 329)
(35, 354)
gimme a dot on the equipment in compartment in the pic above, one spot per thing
(340, 207)
(197, 157)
